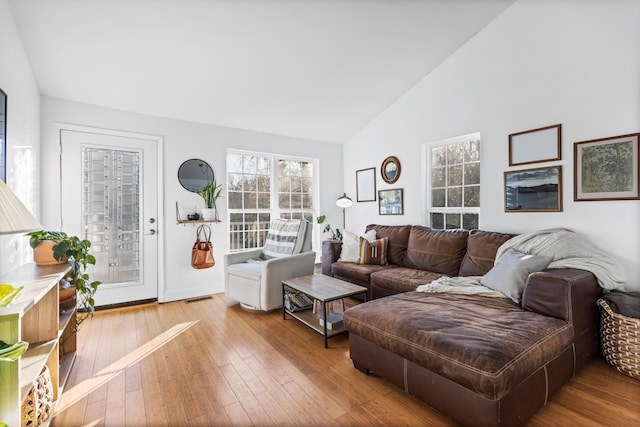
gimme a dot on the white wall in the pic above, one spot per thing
(182, 140)
(23, 133)
(538, 64)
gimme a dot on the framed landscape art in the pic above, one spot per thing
(606, 169)
(533, 190)
(391, 202)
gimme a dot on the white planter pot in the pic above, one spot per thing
(208, 214)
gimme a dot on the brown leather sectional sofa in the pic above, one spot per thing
(482, 361)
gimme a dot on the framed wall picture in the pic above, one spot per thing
(366, 185)
(535, 146)
(391, 202)
(390, 169)
(606, 169)
(533, 190)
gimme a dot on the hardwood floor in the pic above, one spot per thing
(212, 363)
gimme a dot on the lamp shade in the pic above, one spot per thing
(344, 201)
(14, 216)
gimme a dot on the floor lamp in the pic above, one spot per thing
(344, 202)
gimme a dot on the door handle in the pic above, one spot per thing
(152, 232)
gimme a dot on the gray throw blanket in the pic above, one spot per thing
(569, 250)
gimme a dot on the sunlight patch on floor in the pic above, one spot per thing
(81, 390)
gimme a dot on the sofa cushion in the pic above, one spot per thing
(402, 279)
(487, 345)
(398, 239)
(440, 251)
(354, 273)
(481, 252)
(373, 252)
(510, 273)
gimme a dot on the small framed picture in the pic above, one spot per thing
(366, 185)
(533, 190)
(606, 169)
(391, 202)
(535, 146)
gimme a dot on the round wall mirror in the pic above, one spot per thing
(194, 174)
(390, 169)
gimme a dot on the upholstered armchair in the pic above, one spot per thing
(256, 282)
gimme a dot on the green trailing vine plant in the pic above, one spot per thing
(76, 251)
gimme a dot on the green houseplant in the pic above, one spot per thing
(210, 193)
(327, 228)
(76, 252)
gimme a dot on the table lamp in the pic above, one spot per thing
(14, 216)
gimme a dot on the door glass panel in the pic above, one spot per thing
(111, 212)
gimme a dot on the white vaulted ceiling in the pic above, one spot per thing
(315, 69)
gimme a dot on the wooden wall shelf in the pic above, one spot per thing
(199, 221)
(34, 317)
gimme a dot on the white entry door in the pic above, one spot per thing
(109, 195)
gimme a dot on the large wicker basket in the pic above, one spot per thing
(620, 336)
(37, 407)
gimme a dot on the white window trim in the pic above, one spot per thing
(426, 175)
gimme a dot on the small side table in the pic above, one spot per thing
(324, 289)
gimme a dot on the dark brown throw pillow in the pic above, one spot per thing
(373, 253)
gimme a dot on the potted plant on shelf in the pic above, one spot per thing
(42, 243)
(210, 193)
(76, 252)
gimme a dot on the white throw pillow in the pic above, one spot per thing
(351, 245)
(510, 273)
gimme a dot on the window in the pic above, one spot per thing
(453, 176)
(261, 187)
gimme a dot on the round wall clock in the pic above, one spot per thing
(390, 169)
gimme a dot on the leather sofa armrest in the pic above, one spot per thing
(572, 295)
(331, 250)
(564, 293)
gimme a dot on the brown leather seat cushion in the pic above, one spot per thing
(356, 273)
(402, 279)
(487, 345)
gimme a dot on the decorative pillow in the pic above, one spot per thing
(510, 273)
(351, 245)
(373, 253)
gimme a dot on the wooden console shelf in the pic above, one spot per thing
(34, 317)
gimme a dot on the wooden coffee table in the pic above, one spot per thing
(324, 289)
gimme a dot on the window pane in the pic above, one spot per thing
(264, 183)
(250, 201)
(284, 201)
(307, 201)
(307, 170)
(472, 174)
(454, 197)
(249, 183)
(284, 184)
(437, 220)
(455, 153)
(234, 182)
(472, 196)
(438, 157)
(250, 164)
(438, 177)
(438, 198)
(454, 175)
(264, 166)
(234, 163)
(470, 221)
(264, 201)
(296, 201)
(307, 185)
(234, 200)
(453, 220)
(472, 152)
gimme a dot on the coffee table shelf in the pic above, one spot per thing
(324, 289)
